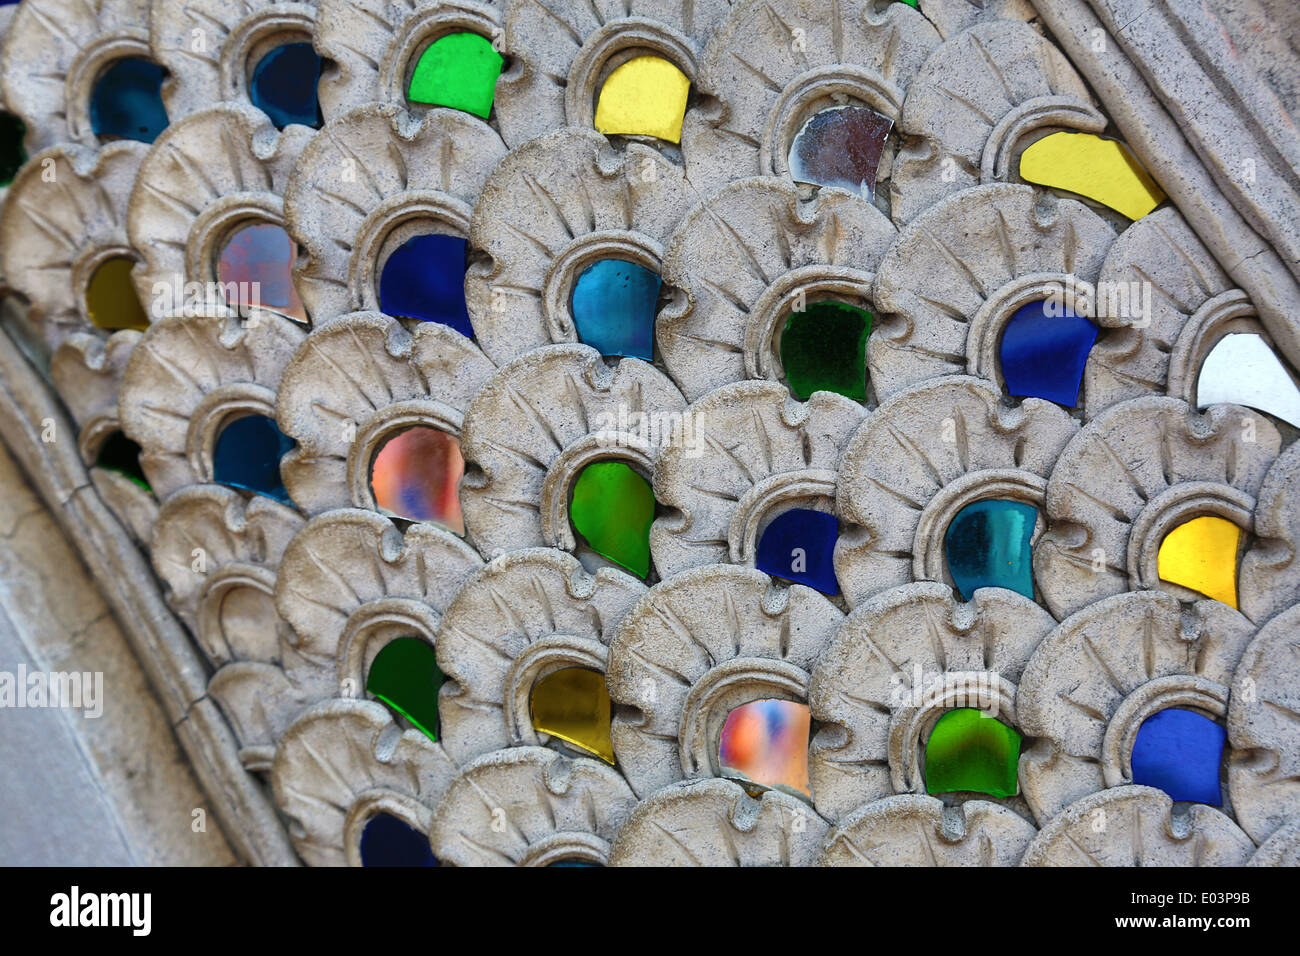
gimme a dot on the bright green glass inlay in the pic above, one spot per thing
(969, 751)
(824, 349)
(458, 70)
(613, 507)
(405, 676)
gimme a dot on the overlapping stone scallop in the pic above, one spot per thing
(717, 823)
(894, 667)
(536, 424)
(371, 178)
(1138, 826)
(926, 453)
(694, 648)
(1102, 672)
(951, 18)
(749, 256)
(743, 454)
(914, 830)
(973, 103)
(772, 64)
(1130, 477)
(358, 381)
(1281, 849)
(554, 207)
(344, 761)
(947, 288)
(526, 615)
(1264, 729)
(1269, 573)
(529, 806)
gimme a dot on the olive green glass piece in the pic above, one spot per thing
(111, 301)
(573, 704)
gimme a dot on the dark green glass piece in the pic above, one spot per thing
(824, 348)
(405, 676)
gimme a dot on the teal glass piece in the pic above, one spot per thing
(126, 102)
(987, 546)
(971, 752)
(614, 305)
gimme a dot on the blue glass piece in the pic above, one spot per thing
(799, 545)
(1043, 355)
(389, 841)
(283, 85)
(987, 545)
(614, 305)
(127, 101)
(424, 279)
(1180, 752)
(247, 455)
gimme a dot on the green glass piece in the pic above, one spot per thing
(12, 152)
(969, 751)
(121, 455)
(458, 70)
(824, 349)
(612, 507)
(405, 676)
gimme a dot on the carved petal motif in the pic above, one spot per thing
(1138, 827)
(914, 830)
(553, 810)
(342, 761)
(743, 449)
(744, 258)
(951, 18)
(1094, 679)
(525, 614)
(1270, 570)
(1281, 849)
(553, 207)
(715, 823)
(697, 645)
(878, 683)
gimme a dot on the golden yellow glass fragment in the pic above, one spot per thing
(1101, 169)
(573, 704)
(645, 96)
(1201, 554)
(111, 301)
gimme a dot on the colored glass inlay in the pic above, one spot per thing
(614, 304)
(612, 508)
(1043, 355)
(766, 741)
(646, 96)
(389, 841)
(799, 545)
(405, 676)
(127, 101)
(256, 270)
(573, 704)
(12, 151)
(824, 349)
(1241, 369)
(1180, 752)
(459, 71)
(424, 279)
(283, 85)
(971, 752)
(416, 475)
(1101, 169)
(111, 301)
(841, 148)
(1201, 554)
(121, 455)
(247, 455)
(987, 546)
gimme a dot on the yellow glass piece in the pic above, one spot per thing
(1101, 169)
(573, 704)
(646, 96)
(1201, 554)
(111, 301)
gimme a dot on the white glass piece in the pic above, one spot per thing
(1243, 370)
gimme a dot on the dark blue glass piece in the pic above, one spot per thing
(1180, 752)
(388, 841)
(987, 545)
(799, 545)
(1043, 355)
(424, 279)
(614, 305)
(283, 85)
(248, 454)
(127, 101)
